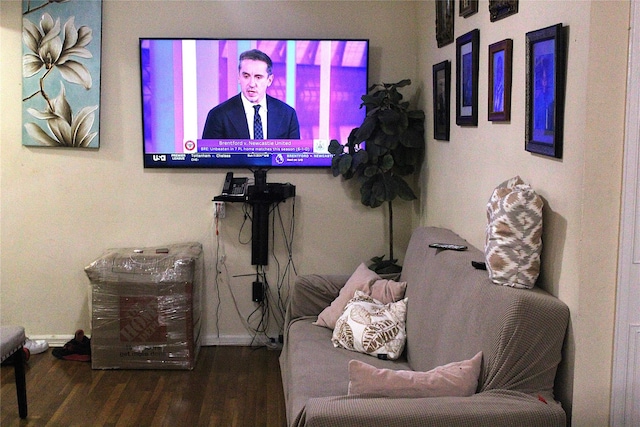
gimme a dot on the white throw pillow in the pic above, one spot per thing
(371, 327)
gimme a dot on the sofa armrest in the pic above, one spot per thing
(312, 293)
(494, 408)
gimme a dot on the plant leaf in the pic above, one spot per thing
(344, 163)
(387, 162)
(365, 130)
(361, 157)
(370, 171)
(335, 147)
(403, 190)
(403, 83)
(392, 122)
(366, 195)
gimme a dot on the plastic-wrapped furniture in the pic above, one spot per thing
(12, 338)
(146, 307)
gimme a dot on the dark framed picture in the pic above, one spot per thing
(467, 56)
(441, 103)
(444, 22)
(499, 94)
(545, 86)
(499, 9)
(468, 7)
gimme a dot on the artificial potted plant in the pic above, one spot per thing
(393, 137)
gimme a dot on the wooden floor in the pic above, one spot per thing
(230, 386)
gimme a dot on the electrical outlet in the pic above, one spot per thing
(218, 210)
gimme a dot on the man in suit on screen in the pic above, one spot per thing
(243, 116)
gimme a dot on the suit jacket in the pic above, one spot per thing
(228, 121)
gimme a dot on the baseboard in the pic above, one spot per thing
(52, 340)
(206, 340)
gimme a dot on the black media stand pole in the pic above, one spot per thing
(260, 233)
(261, 196)
(260, 221)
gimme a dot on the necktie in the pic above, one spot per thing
(257, 124)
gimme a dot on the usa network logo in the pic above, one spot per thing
(159, 157)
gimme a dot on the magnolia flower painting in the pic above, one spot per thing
(61, 72)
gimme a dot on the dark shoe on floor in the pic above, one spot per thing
(78, 349)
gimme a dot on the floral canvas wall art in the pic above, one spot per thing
(61, 41)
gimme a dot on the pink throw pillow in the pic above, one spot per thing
(359, 281)
(454, 379)
(367, 281)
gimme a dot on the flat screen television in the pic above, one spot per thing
(182, 79)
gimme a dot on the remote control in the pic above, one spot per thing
(478, 265)
(448, 246)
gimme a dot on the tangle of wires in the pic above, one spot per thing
(273, 301)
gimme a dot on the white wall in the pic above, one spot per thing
(61, 208)
(581, 191)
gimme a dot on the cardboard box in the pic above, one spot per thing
(146, 307)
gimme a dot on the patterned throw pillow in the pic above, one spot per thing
(514, 234)
(370, 327)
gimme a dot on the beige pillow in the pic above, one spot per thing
(368, 281)
(371, 327)
(514, 234)
(454, 379)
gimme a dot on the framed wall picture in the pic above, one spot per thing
(499, 93)
(444, 22)
(61, 44)
(467, 56)
(441, 103)
(545, 86)
(499, 9)
(468, 7)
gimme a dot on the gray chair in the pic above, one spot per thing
(12, 338)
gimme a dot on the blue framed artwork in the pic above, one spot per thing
(61, 43)
(467, 56)
(545, 86)
(500, 65)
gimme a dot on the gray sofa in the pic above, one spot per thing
(454, 311)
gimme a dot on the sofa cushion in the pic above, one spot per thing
(514, 234)
(313, 368)
(365, 280)
(452, 379)
(371, 327)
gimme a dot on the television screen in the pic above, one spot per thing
(313, 95)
